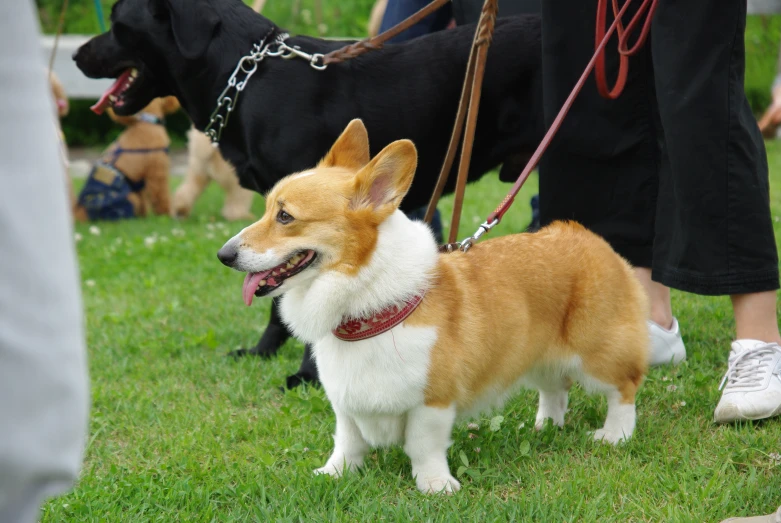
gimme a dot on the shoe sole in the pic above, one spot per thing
(676, 359)
(740, 417)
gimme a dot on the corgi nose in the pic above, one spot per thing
(228, 254)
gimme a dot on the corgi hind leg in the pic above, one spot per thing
(620, 420)
(554, 397)
(619, 382)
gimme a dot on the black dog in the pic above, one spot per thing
(289, 114)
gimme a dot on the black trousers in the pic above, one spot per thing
(674, 173)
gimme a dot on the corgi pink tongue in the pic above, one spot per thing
(119, 85)
(250, 285)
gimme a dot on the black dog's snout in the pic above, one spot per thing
(228, 254)
(78, 54)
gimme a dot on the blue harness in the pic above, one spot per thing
(105, 195)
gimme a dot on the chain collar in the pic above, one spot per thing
(244, 70)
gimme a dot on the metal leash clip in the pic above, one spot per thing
(464, 245)
(316, 60)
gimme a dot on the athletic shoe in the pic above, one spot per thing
(753, 382)
(666, 344)
(775, 517)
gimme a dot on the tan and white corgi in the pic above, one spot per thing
(539, 310)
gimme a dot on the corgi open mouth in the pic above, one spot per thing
(115, 96)
(262, 283)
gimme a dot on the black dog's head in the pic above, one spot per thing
(148, 49)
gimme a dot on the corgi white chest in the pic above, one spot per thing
(377, 380)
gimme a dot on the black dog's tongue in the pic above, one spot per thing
(119, 85)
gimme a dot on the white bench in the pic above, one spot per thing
(764, 7)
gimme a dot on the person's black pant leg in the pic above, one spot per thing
(714, 232)
(601, 169)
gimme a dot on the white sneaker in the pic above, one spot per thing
(666, 345)
(753, 382)
(775, 517)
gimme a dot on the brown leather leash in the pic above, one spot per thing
(468, 107)
(57, 35)
(351, 51)
(469, 103)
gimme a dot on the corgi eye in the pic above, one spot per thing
(284, 218)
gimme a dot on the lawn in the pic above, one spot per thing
(180, 432)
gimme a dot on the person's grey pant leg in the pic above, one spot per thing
(43, 376)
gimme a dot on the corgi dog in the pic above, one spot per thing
(538, 310)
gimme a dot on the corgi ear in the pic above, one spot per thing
(351, 149)
(382, 184)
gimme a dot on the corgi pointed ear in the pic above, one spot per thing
(383, 183)
(351, 149)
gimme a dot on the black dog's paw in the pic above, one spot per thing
(300, 378)
(273, 338)
(240, 353)
(265, 351)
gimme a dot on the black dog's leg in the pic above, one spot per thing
(307, 373)
(275, 335)
(535, 225)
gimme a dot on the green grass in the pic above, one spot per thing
(179, 432)
(337, 18)
(762, 37)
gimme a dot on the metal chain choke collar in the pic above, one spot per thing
(244, 70)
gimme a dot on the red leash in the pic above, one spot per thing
(596, 63)
(648, 7)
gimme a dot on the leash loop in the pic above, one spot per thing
(646, 9)
(248, 65)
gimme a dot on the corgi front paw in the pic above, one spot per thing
(336, 468)
(329, 469)
(608, 436)
(432, 485)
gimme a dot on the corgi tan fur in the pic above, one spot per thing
(538, 310)
(205, 164)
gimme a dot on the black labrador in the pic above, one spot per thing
(289, 114)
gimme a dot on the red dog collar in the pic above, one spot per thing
(385, 320)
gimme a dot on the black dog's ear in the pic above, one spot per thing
(193, 23)
(158, 8)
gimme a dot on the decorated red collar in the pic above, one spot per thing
(385, 320)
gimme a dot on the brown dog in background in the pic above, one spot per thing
(132, 176)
